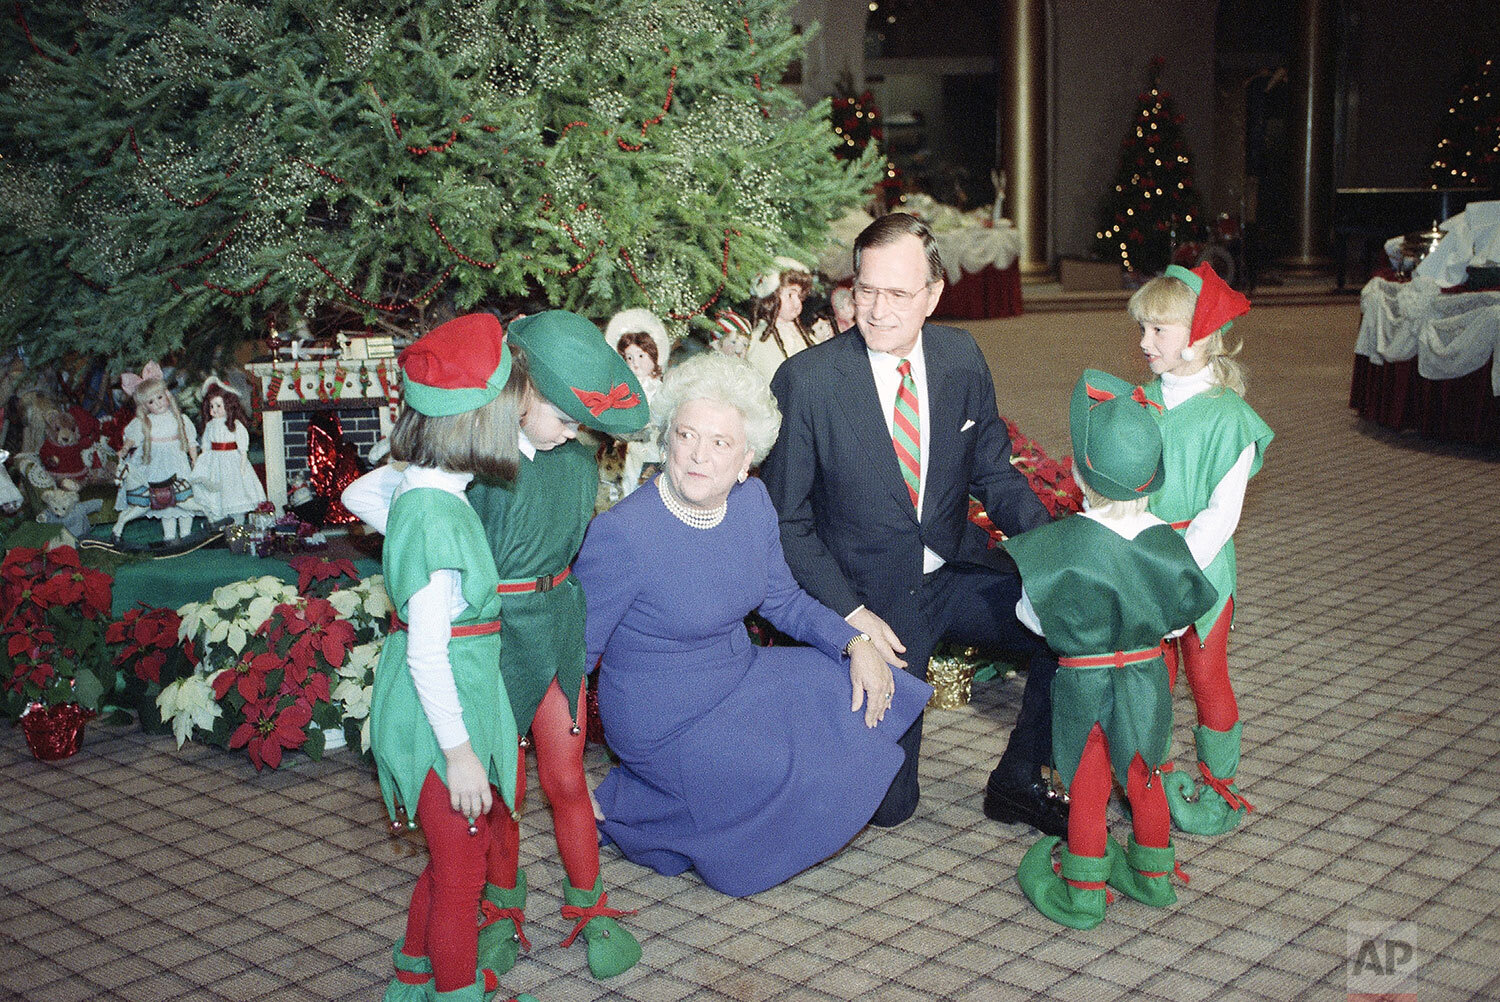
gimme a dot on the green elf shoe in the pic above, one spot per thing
(1130, 873)
(484, 989)
(1214, 806)
(500, 937)
(1049, 890)
(413, 980)
(612, 949)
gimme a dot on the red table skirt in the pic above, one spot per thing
(989, 292)
(1396, 396)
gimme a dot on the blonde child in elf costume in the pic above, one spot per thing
(441, 728)
(534, 523)
(1213, 443)
(1104, 587)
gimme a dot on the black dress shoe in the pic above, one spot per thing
(1034, 804)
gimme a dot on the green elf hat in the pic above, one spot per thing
(577, 370)
(456, 367)
(1116, 442)
(1218, 305)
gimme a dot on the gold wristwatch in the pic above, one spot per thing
(856, 639)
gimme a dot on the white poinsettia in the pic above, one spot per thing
(344, 601)
(189, 704)
(377, 602)
(354, 697)
(197, 618)
(260, 608)
(361, 659)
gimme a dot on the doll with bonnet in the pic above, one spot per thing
(641, 339)
(156, 459)
(779, 332)
(224, 481)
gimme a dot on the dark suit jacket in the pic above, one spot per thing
(847, 524)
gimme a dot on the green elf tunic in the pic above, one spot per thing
(431, 530)
(1202, 437)
(535, 526)
(1096, 592)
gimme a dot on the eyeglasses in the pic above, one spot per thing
(897, 299)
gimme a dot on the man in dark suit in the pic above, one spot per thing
(886, 431)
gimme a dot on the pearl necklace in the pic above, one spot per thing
(696, 518)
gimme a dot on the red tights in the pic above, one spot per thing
(559, 765)
(441, 923)
(1088, 796)
(1207, 664)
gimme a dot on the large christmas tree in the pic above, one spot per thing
(177, 177)
(1468, 146)
(1152, 207)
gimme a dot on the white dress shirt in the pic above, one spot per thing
(887, 384)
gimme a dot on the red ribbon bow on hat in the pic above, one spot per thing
(622, 396)
(1139, 396)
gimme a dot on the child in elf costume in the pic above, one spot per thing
(1104, 587)
(441, 728)
(534, 523)
(1213, 443)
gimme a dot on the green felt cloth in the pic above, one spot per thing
(172, 582)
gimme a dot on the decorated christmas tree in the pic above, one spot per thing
(178, 177)
(1468, 146)
(1152, 206)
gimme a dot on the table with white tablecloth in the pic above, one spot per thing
(1427, 359)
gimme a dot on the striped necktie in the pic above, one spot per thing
(906, 434)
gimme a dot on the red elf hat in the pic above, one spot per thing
(1218, 304)
(456, 367)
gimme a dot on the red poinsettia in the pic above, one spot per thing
(248, 675)
(316, 625)
(311, 569)
(53, 649)
(147, 636)
(268, 730)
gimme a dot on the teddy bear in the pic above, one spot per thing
(62, 506)
(72, 448)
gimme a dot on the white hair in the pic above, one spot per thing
(724, 380)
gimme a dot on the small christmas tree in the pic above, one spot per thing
(1152, 205)
(177, 177)
(1468, 146)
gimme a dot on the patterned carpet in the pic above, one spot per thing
(1367, 658)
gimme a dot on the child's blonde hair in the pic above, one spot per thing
(143, 392)
(1168, 300)
(482, 441)
(1109, 508)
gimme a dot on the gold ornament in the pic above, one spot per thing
(952, 679)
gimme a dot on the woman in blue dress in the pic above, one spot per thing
(745, 763)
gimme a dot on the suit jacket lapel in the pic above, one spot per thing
(861, 403)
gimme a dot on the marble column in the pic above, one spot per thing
(1312, 147)
(1023, 127)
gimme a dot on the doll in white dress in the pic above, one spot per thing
(225, 482)
(777, 313)
(641, 339)
(157, 458)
